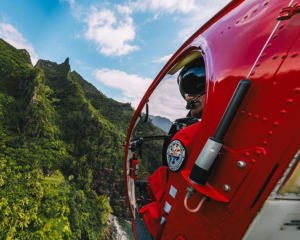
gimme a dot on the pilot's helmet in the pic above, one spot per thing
(191, 79)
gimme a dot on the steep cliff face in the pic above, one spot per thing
(16, 70)
(117, 113)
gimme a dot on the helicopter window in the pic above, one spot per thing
(175, 103)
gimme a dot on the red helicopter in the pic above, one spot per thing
(232, 171)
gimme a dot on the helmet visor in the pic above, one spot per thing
(192, 81)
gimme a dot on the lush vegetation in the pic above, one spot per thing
(60, 151)
(53, 144)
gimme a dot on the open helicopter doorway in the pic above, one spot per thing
(165, 113)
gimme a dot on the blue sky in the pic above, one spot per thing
(118, 46)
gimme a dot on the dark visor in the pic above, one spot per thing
(192, 81)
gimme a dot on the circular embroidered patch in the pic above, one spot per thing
(175, 155)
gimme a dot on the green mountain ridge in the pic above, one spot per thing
(54, 145)
(118, 113)
(161, 122)
(61, 151)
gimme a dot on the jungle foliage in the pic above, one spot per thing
(60, 151)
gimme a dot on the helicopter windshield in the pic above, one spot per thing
(165, 105)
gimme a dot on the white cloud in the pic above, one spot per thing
(200, 15)
(124, 9)
(163, 59)
(165, 101)
(109, 33)
(197, 11)
(15, 38)
(113, 30)
(133, 87)
(170, 6)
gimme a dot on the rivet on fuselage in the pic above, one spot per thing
(221, 32)
(249, 114)
(229, 28)
(265, 142)
(258, 152)
(243, 112)
(270, 133)
(281, 27)
(257, 64)
(275, 36)
(294, 55)
(256, 116)
(284, 56)
(289, 101)
(283, 112)
(245, 17)
(263, 55)
(276, 123)
(180, 237)
(254, 11)
(241, 164)
(253, 160)
(226, 188)
(297, 90)
(269, 45)
(264, 119)
(246, 154)
(237, 22)
(274, 57)
(266, 3)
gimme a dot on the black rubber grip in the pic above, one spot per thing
(199, 175)
(231, 109)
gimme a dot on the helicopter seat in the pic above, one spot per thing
(151, 216)
(152, 212)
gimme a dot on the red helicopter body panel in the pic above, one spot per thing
(246, 40)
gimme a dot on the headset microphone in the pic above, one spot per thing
(191, 104)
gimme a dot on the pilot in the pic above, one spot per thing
(191, 81)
